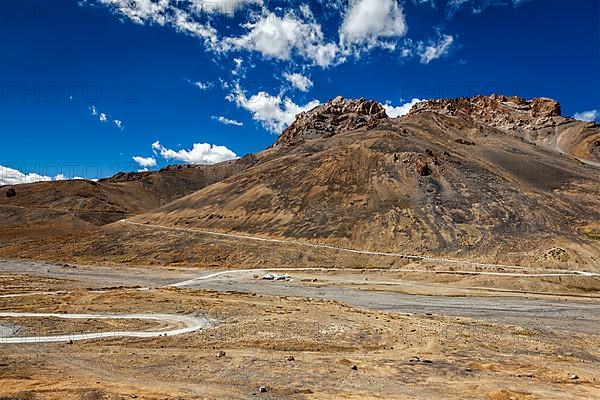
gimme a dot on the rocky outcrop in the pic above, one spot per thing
(536, 121)
(336, 116)
(502, 112)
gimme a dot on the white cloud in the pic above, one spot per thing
(398, 111)
(227, 121)
(587, 116)
(367, 21)
(163, 12)
(11, 176)
(145, 162)
(280, 37)
(280, 33)
(201, 153)
(299, 81)
(227, 7)
(103, 117)
(140, 11)
(434, 50)
(202, 85)
(238, 69)
(274, 112)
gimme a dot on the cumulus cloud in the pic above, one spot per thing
(11, 176)
(279, 38)
(587, 116)
(277, 33)
(434, 49)
(145, 162)
(275, 113)
(398, 111)
(227, 121)
(200, 153)
(367, 21)
(299, 81)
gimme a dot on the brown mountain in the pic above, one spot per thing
(40, 211)
(488, 178)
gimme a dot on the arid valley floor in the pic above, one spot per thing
(324, 334)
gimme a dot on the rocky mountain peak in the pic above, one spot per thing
(503, 112)
(335, 116)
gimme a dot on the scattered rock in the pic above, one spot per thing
(262, 389)
(354, 367)
(291, 358)
(574, 377)
(221, 354)
(11, 193)
(556, 254)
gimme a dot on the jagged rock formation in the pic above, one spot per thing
(537, 121)
(336, 116)
(507, 113)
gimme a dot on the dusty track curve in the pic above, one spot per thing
(191, 324)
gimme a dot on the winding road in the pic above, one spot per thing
(191, 324)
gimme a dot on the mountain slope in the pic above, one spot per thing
(427, 183)
(453, 178)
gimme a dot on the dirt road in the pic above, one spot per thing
(545, 313)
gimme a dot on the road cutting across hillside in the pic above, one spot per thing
(363, 252)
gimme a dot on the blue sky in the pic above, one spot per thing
(89, 85)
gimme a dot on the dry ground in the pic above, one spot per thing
(397, 355)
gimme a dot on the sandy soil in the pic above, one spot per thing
(298, 347)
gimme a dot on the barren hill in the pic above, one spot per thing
(39, 211)
(482, 178)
